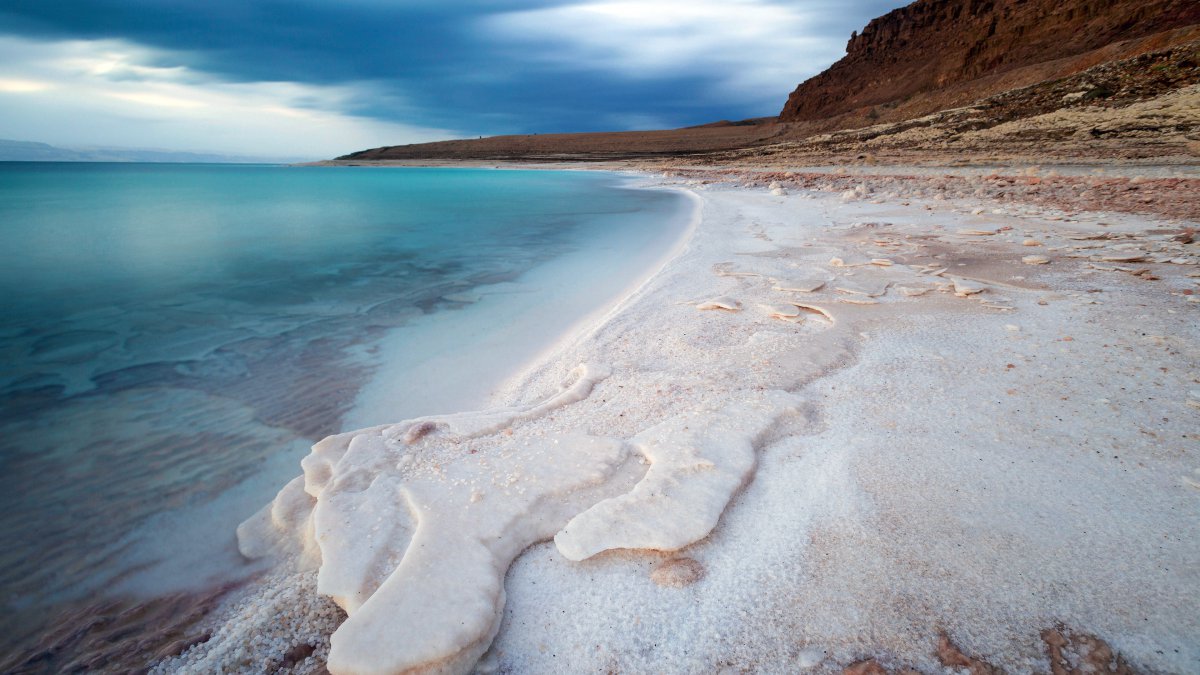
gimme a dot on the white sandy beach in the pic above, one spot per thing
(902, 419)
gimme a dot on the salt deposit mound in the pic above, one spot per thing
(414, 525)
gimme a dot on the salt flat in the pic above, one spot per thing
(945, 457)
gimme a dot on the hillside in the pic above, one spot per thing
(942, 80)
(934, 45)
(591, 146)
(1143, 108)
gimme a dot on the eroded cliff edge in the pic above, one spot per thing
(933, 45)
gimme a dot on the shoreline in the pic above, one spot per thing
(866, 556)
(587, 325)
(1155, 187)
(173, 552)
(424, 371)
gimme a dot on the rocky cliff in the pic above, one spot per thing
(942, 81)
(934, 44)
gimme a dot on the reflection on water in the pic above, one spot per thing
(172, 335)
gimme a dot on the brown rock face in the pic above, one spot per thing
(932, 44)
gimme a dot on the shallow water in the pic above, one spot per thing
(174, 337)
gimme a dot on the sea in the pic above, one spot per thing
(175, 337)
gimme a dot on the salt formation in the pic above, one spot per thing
(413, 533)
(870, 288)
(442, 605)
(697, 461)
(805, 285)
(783, 312)
(814, 309)
(724, 302)
(964, 287)
(289, 523)
(829, 529)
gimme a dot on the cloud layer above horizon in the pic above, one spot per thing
(323, 77)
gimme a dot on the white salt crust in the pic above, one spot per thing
(841, 487)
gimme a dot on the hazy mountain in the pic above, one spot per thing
(29, 151)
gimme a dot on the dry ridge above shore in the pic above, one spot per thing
(1143, 107)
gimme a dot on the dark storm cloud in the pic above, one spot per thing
(443, 65)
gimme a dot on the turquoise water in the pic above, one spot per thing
(170, 331)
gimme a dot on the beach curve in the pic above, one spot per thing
(831, 462)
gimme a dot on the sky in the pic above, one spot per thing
(319, 78)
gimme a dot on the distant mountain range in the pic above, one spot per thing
(29, 151)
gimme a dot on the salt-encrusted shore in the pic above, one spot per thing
(850, 429)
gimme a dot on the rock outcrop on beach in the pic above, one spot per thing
(933, 45)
